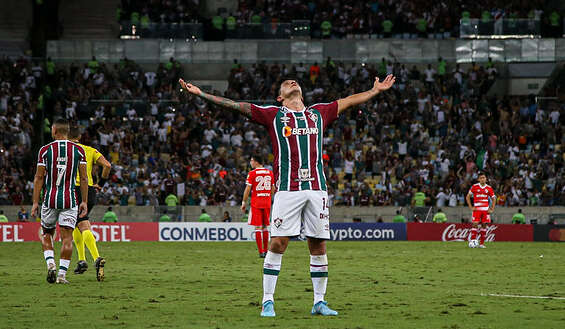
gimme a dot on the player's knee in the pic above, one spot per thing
(49, 231)
(278, 245)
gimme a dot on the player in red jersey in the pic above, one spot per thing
(259, 183)
(483, 205)
(57, 166)
(301, 198)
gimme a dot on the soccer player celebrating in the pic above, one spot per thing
(296, 133)
(57, 166)
(259, 183)
(484, 201)
(82, 233)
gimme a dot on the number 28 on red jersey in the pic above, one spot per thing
(260, 180)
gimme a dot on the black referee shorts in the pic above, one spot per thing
(90, 203)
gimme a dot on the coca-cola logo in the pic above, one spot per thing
(452, 233)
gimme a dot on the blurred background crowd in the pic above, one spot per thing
(338, 19)
(432, 133)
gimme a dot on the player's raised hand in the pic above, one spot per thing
(34, 210)
(82, 209)
(386, 84)
(189, 87)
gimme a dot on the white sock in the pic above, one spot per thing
(49, 257)
(319, 275)
(271, 269)
(63, 266)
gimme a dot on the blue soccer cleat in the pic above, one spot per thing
(322, 308)
(268, 309)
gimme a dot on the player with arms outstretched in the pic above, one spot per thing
(82, 233)
(259, 184)
(483, 205)
(296, 133)
(57, 166)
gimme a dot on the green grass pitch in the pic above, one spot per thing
(219, 285)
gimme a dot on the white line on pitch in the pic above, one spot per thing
(520, 296)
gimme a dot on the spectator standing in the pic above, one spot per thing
(398, 218)
(439, 217)
(165, 217)
(519, 218)
(110, 216)
(227, 218)
(204, 217)
(23, 215)
(3, 218)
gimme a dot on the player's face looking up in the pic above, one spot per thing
(482, 179)
(289, 89)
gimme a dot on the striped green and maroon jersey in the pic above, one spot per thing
(61, 159)
(297, 143)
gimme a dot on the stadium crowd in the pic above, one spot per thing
(337, 19)
(431, 134)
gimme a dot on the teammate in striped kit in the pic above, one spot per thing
(483, 205)
(259, 183)
(296, 133)
(57, 166)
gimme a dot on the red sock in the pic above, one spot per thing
(473, 233)
(483, 235)
(259, 240)
(265, 240)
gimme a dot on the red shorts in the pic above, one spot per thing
(481, 216)
(259, 216)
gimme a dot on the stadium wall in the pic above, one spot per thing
(502, 215)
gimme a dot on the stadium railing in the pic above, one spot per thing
(309, 51)
(192, 31)
(504, 28)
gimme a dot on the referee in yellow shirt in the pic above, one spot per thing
(82, 234)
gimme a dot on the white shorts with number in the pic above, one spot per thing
(290, 208)
(65, 217)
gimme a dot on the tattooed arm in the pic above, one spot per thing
(242, 107)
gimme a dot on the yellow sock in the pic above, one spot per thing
(79, 243)
(90, 243)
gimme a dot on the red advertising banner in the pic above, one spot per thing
(461, 232)
(115, 232)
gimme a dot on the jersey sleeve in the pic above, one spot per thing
(491, 192)
(263, 115)
(96, 155)
(328, 111)
(81, 155)
(41, 157)
(249, 180)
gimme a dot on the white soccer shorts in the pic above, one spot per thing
(291, 208)
(65, 217)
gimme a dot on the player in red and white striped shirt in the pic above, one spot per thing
(483, 205)
(259, 183)
(57, 166)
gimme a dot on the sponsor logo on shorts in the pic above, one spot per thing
(277, 222)
(325, 216)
